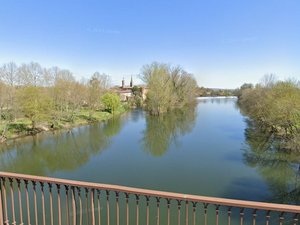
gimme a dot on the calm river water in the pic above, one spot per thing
(210, 149)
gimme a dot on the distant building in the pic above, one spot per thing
(126, 92)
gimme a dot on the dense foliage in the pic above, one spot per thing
(275, 107)
(169, 87)
(215, 92)
(111, 101)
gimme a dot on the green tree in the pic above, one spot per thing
(97, 85)
(111, 102)
(34, 103)
(168, 87)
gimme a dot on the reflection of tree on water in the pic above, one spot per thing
(62, 151)
(162, 130)
(279, 168)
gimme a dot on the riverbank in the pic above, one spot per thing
(22, 127)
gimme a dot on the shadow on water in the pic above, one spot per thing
(62, 151)
(279, 169)
(163, 130)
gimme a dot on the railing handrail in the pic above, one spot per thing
(162, 194)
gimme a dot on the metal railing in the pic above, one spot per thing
(35, 200)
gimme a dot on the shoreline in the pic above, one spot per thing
(42, 129)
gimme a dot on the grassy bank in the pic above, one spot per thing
(23, 126)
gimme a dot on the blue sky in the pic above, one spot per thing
(223, 43)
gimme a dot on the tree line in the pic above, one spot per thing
(50, 95)
(274, 106)
(34, 97)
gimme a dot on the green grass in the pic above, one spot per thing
(23, 126)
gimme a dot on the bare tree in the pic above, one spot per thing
(31, 74)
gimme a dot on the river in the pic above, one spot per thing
(210, 149)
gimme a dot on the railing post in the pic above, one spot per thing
(117, 208)
(73, 205)
(20, 202)
(27, 202)
(157, 210)
(168, 205)
(6, 221)
(99, 207)
(35, 203)
(1, 208)
(217, 214)
(178, 212)
(58, 203)
(229, 216)
(12, 198)
(107, 208)
(127, 208)
(80, 205)
(147, 209)
(43, 203)
(92, 207)
(51, 203)
(137, 209)
(194, 212)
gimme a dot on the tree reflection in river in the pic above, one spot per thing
(280, 169)
(162, 130)
(64, 151)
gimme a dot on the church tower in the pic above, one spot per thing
(123, 83)
(131, 82)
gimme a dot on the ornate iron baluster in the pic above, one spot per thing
(99, 207)
(268, 217)
(186, 213)
(67, 205)
(107, 207)
(20, 202)
(229, 216)
(157, 210)
(137, 198)
(242, 216)
(127, 208)
(296, 219)
(168, 208)
(281, 218)
(27, 201)
(43, 203)
(217, 214)
(92, 207)
(6, 221)
(80, 205)
(194, 212)
(117, 208)
(73, 205)
(35, 203)
(205, 213)
(147, 209)
(178, 212)
(87, 205)
(254, 217)
(1, 207)
(58, 204)
(12, 202)
(51, 203)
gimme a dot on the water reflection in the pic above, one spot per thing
(280, 169)
(217, 100)
(161, 131)
(63, 151)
